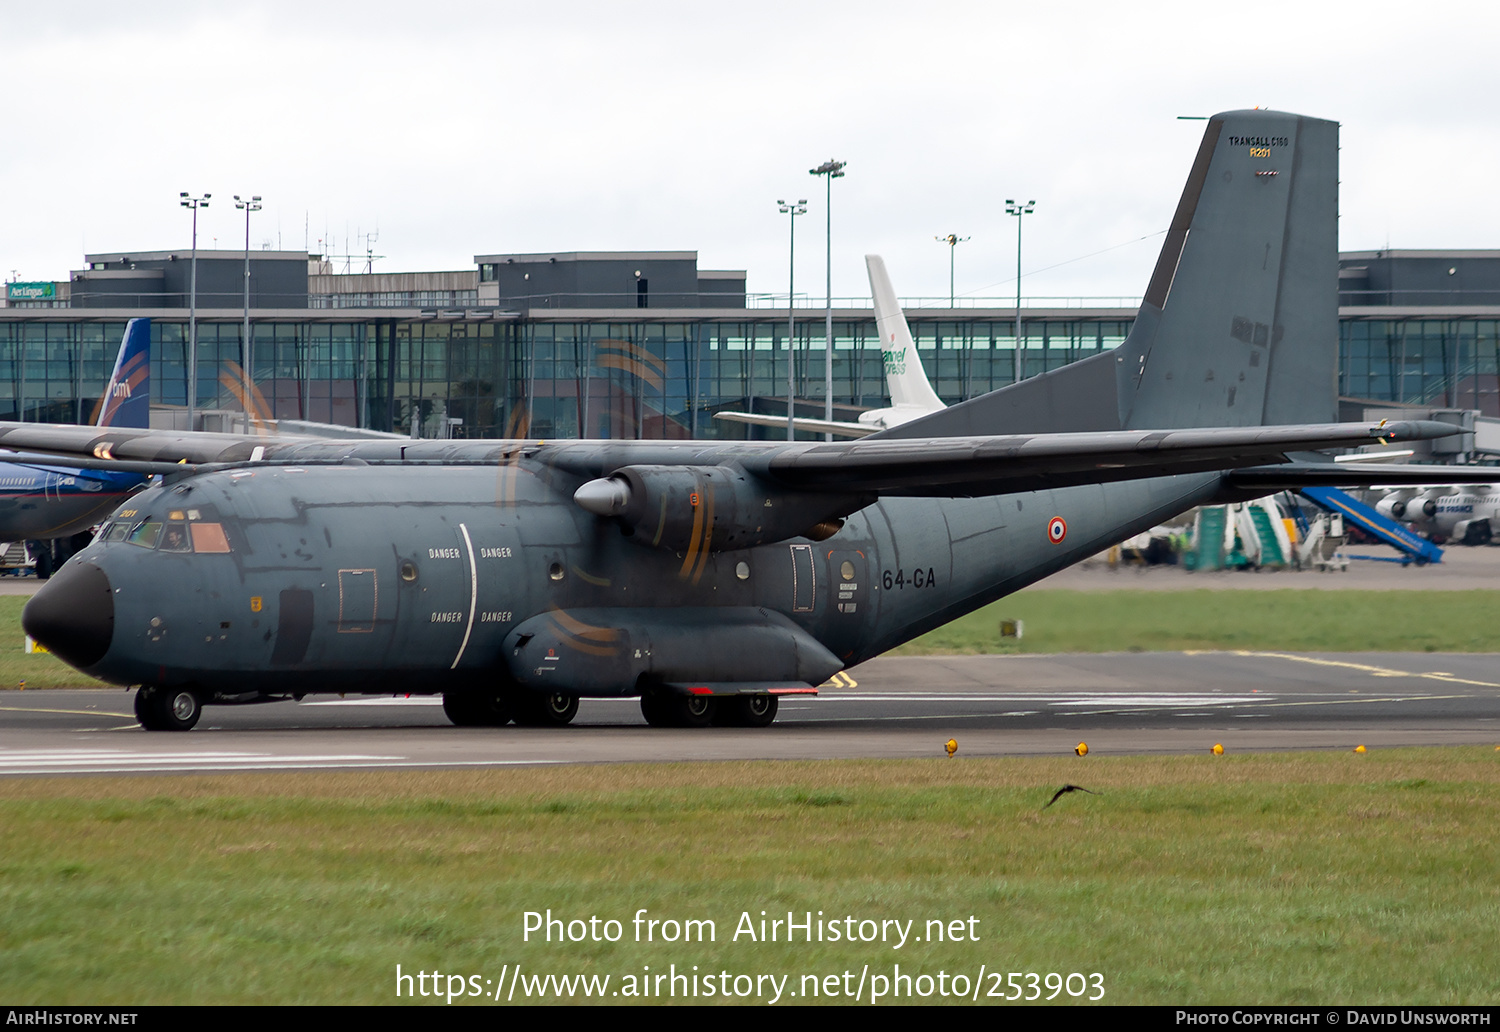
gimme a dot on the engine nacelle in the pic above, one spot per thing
(711, 507)
(1423, 508)
(1392, 507)
(1411, 509)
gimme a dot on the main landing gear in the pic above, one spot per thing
(665, 709)
(545, 709)
(167, 709)
(498, 707)
(478, 709)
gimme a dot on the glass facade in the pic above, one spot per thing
(663, 379)
(619, 377)
(1444, 363)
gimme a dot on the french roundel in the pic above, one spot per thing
(1057, 529)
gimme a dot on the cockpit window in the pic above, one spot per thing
(146, 534)
(175, 538)
(209, 537)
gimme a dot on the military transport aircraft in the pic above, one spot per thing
(710, 578)
(44, 500)
(912, 395)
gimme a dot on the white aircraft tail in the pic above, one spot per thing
(903, 369)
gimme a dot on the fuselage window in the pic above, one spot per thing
(116, 531)
(146, 534)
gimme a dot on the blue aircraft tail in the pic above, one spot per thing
(127, 397)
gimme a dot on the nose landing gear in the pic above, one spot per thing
(167, 709)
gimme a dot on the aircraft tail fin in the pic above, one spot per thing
(127, 397)
(1239, 323)
(903, 368)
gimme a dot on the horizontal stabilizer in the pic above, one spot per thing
(802, 423)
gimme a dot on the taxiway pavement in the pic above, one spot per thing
(1132, 703)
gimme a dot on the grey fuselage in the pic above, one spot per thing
(330, 583)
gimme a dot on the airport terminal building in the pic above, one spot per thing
(633, 344)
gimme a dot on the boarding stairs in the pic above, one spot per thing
(1412, 548)
(14, 559)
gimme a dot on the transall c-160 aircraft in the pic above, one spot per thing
(710, 578)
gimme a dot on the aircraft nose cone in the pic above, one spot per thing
(73, 615)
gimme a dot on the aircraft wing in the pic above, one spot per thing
(813, 426)
(974, 466)
(940, 467)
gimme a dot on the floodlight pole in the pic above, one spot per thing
(792, 210)
(253, 204)
(833, 170)
(1019, 211)
(952, 240)
(193, 203)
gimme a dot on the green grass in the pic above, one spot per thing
(1291, 620)
(37, 670)
(1314, 878)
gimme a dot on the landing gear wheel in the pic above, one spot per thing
(553, 709)
(663, 710)
(167, 709)
(654, 709)
(747, 711)
(145, 710)
(478, 709)
(695, 710)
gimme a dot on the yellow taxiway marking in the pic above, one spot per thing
(1373, 671)
(76, 712)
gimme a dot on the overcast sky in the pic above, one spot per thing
(458, 129)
